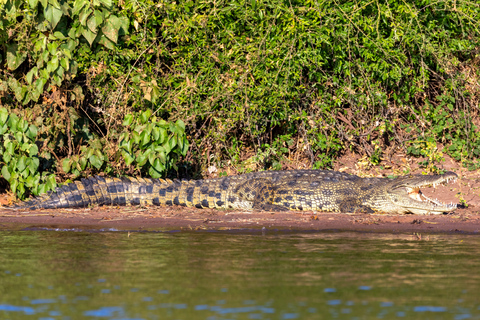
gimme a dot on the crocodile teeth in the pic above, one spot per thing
(436, 202)
(417, 194)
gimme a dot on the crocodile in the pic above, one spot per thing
(307, 190)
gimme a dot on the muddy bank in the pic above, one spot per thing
(177, 218)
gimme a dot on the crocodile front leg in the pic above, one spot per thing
(353, 205)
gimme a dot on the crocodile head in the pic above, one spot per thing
(403, 194)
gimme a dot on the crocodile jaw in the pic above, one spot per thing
(408, 198)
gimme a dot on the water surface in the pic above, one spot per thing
(118, 275)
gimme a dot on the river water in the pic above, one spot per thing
(70, 274)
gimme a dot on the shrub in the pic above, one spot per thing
(272, 81)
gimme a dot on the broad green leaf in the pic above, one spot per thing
(33, 164)
(77, 93)
(139, 128)
(92, 23)
(59, 35)
(20, 94)
(20, 189)
(98, 17)
(151, 158)
(141, 159)
(127, 157)
(154, 173)
(158, 148)
(39, 84)
(31, 73)
(155, 94)
(124, 24)
(22, 126)
(28, 96)
(21, 163)
(54, 3)
(9, 147)
(66, 165)
(184, 148)
(12, 120)
(172, 143)
(78, 165)
(33, 150)
(163, 136)
(3, 115)
(96, 161)
(73, 33)
(52, 15)
(41, 189)
(52, 49)
(111, 28)
(136, 137)
(158, 165)
(166, 146)
(180, 125)
(3, 129)
(60, 72)
(82, 162)
(89, 35)
(52, 65)
(17, 88)
(32, 131)
(162, 157)
(145, 139)
(5, 173)
(30, 181)
(64, 63)
(78, 5)
(51, 182)
(13, 184)
(14, 57)
(173, 128)
(107, 3)
(155, 133)
(179, 142)
(24, 146)
(18, 136)
(43, 72)
(7, 157)
(101, 155)
(145, 116)
(76, 173)
(89, 152)
(127, 145)
(33, 3)
(84, 14)
(25, 173)
(104, 41)
(127, 120)
(156, 170)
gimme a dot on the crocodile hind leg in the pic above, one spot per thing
(261, 193)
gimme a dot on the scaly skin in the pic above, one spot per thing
(309, 190)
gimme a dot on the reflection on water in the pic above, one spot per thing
(117, 275)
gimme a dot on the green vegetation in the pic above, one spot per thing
(20, 161)
(268, 82)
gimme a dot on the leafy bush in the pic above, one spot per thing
(272, 81)
(19, 156)
(152, 146)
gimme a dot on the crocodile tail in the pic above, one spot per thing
(105, 191)
(95, 191)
